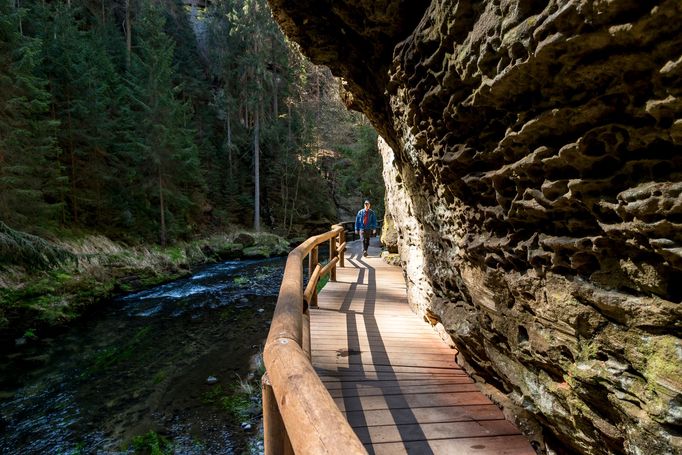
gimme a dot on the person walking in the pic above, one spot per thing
(365, 221)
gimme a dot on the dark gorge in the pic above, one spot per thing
(532, 159)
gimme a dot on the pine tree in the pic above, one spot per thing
(168, 163)
(29, 172)
(86, 98)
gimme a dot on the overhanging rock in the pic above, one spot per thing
(537, 162)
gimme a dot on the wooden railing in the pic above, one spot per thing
(299, 415)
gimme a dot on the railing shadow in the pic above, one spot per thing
(397, 404)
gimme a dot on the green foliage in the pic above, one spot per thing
(152, 443)
(29, 172)
(163, 148)
(240, 399)
(29, 251)
(160, 377)
(360, 173)
(240, 280)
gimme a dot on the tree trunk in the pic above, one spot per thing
(229, 144)
(289, 134)
(256, 171)
(17, 4)
(318, 112)
(162, 211)
(129, 39)
(293, 203)
(72, 157)
(275, 101)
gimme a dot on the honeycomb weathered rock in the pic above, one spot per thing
(534, 175)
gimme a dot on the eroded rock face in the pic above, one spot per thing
(535, 181)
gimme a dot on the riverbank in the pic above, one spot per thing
(45, 285)
(173, 365)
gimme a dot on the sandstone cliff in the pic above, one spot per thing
(534, 175)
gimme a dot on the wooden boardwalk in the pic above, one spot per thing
(396, 382)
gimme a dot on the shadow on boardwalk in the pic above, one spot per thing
(391, 375)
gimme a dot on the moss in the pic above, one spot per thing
(587, 350)
(664, 360)
(152, 444)
(159, 377)
(240, 280)
(229, 248)
(114, 355)
(239, 405)
(258, 251)
(240, 399)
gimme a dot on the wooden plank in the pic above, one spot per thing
(428, 431)
(328, 375)
(424, 415)
(342, 347)
(492, 445)
(400, 390)
(339, 383)
(411, 401)
(368, 355)
(385, 369)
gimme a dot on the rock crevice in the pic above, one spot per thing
(533, 162)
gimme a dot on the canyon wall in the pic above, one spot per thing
(533, 162)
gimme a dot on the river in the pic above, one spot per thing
(146, 362)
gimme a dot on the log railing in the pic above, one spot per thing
(299, 415)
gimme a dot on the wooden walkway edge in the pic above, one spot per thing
(395, 381)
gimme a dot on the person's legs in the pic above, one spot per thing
(365, 241)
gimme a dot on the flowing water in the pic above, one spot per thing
(141, 364)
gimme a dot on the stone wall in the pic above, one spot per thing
(535, 180)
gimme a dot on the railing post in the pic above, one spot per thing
(306, 333)
(312, 263)
(332, 255)
(342, 240)
(275, 438)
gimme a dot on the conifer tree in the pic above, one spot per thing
(86, 96)
(29, 172)
(168, 164)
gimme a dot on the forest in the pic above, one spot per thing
(150, 121)
(158, 159)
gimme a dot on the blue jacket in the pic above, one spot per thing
(371, 221)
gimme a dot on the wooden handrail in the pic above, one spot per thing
(312, 284)
(298, 412)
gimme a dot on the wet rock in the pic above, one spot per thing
(258, 251)
(211, 380)
(533, 161)
(245, 239)
(246, 426)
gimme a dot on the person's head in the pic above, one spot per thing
(367, 204)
